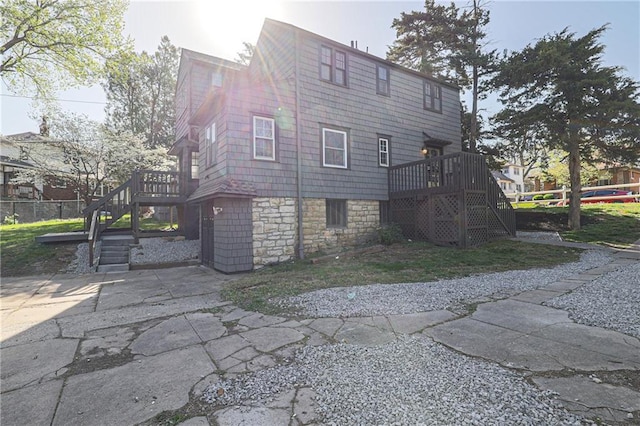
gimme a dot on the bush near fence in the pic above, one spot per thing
(35, 211)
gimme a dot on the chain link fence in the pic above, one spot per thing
(35, 211)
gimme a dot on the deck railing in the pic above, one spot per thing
(111, 207)
(445, 173)
(464, 176)
(151, 183)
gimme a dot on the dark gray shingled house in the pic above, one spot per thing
(292, 152)
(311, 147)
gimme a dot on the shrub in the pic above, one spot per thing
(11, 219)
(390, 234)
(538, 197)
(549, 197)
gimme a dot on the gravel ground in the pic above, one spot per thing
(611, 301)
(149, 251)
(411, 381)
(391, 299)
(161, 250)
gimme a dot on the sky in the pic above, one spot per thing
(218, 28)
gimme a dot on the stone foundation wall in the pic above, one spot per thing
(363, 220)
(274, 230)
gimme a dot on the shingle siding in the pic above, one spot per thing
(233, 237)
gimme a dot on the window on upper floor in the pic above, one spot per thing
(383, 152)
(336, 213)
(383, 86)
(516, 171)
(216, 79)
(195, 166)
(210, 147)
(333, 65)
(264, 138)
(432, 96)
(334, 148)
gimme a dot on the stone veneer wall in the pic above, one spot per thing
(363, 220)
(274, 230)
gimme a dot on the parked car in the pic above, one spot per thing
(605, 196)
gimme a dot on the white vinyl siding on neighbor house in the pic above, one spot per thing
(210, 145)
(383, 152)
(264, 138)
(334, 148)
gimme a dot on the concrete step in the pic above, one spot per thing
(117, 240)
(115, 249)
(110, 260)
(120, 267)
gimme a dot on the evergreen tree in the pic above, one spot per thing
(559, 91)
(140, 92)
(447, 43)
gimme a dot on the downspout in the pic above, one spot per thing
(298, 147)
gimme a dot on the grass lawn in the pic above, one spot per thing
(614, 225)
(21, 255)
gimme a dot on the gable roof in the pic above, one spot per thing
(358, 52)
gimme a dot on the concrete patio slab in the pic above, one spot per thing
(42, 400)
(30, 363)
(237, 416)
(170, 334)
(583, 394)
(413, 323)
(134, 392)
(270, 338)
(354, 332)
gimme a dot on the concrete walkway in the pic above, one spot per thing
(118, 349)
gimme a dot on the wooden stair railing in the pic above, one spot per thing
(500, 205)
(111, 207)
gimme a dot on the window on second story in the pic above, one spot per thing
(216, 79)
(264, 138)
(432, 96)
(383, 152)
(210, 145)
(195, 166)
(333, 65)
(516, 171)
(382, 80)
(334, 148)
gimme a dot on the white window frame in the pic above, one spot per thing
(345, 156)
(210, 144)
(383, 151)
(271, 140)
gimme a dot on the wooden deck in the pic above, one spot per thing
(63, 237)
(450, 200)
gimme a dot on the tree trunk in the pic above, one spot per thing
(574, 179)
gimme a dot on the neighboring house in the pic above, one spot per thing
(290, 154)
(16, 154)
(510, 178)
(620, 175)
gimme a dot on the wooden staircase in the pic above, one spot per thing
(114, 253)
(450, 200)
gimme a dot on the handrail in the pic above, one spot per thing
(94, 233)
(95, 204)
